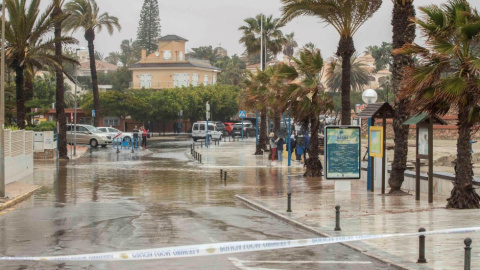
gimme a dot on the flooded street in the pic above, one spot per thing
(160, 197)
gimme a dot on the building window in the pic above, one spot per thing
(111, 121)
(205, 80)
(145, 81)
(214, 80)
(195, 79)
(167, 55)
(180, 56)
(181, 79)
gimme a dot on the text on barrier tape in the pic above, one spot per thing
(224, 248)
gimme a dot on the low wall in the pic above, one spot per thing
(18, 155)
(442, 182)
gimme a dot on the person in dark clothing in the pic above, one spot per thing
(174, 127)
(306, 144)
(280, 147)
(135, 132)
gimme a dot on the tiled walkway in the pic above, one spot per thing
(362, 212)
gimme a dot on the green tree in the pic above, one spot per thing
(233, 70)
(273, 41)
(149, 28)
(346, 16)
(290, 45)
(449, 80)
(205, 53)
(403, 33)
(85, 14)
(307, 100)
(113, 58)
(121, 79)
(359, 75)
(382, 55)
(26, 33)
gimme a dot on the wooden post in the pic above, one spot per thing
(417, 170)
(430, 160)
(384, 158)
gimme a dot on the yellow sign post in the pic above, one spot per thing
(376, 141)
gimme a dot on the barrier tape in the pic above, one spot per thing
(224, 248)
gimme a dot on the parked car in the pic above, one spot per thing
(221, 127)
(228, 127)
(199, 131)
(248, 130)
(87, 134)
(115, 133)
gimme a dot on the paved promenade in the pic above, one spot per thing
(362, 212)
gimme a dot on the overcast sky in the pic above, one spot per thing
(215, 22)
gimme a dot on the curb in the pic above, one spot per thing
(302, 226)
(18, 199)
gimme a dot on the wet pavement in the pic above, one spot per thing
(160, 197)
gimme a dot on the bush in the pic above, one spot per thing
(44, 126)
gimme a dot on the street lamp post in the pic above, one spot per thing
(369, 96)
(180, 114)
(75, 107)
(207, 115)
(2, 108)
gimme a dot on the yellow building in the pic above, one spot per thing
(167, 67)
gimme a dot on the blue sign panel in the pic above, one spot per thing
(342, 152)
(242, 114)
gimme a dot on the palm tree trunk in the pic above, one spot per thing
(90, 37)
(262, 140)
(60, 93)
(346, 49)
(463, 195)
(277, 120)
(314, 165)
(28, 95)
(403, 33)
(19, 81)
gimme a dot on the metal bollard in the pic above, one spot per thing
(468, 253)
(221, 172)
(200, 158)
(225, 176)
(289, 202)
(421, 247)
(337, 218)
(201, 144)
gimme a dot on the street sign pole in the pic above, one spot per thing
(242, 129)
(207, 115)
(256, 129)
(289, 141)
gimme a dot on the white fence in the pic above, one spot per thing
(18, 155)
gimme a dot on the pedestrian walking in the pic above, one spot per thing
(273, 145)
(135, 132)
(299, 149)
(144, 137)
(280, 144)
(293, 144)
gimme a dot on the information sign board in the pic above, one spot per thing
(342, 152)
(376, 141)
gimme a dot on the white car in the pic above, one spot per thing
(199, 131)
(116, 134)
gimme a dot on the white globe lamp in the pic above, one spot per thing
(369, 96)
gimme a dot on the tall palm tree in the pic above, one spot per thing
(359, 74)
(26, 33)
(85, 14)
(346, 16)
(307, 99)
(403, 33)
(449, 80)
(273, 41)
(255, 98)
(290, 45)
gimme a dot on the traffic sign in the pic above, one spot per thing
(93, 113)
(242, 114)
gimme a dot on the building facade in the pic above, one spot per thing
(168, 67)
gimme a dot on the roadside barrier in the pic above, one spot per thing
(231, 247)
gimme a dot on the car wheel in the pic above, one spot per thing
(93, 143)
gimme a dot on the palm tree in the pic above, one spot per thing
(273, 41)
(359, 75)
(449, 80)
(346, 16)
(255, 98)
(307, 99)
(85, 14)
(113, 58)
(403, 33)
(290, 45)
(27, 45)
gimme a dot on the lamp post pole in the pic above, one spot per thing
(75, 110)
(2, 108)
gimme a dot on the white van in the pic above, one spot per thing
(199, 131)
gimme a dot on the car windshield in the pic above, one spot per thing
(93, 129)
